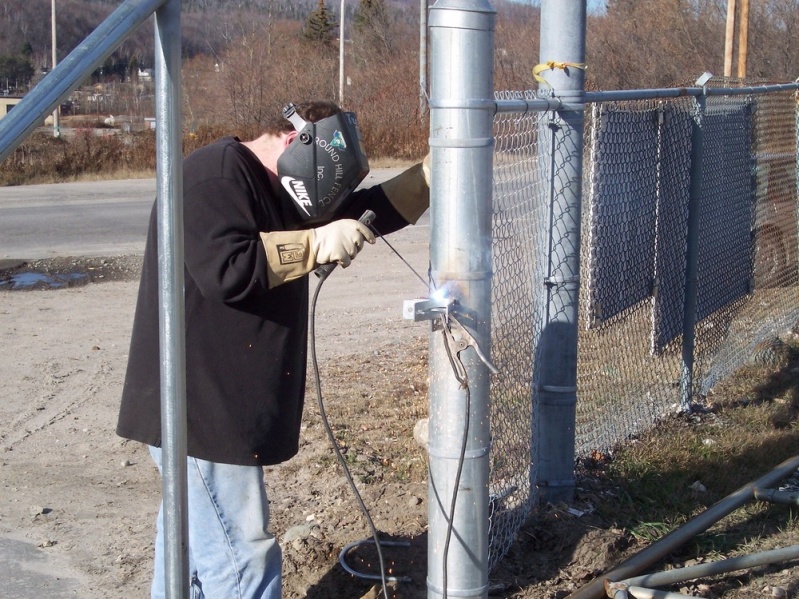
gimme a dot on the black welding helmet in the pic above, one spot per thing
(321, 166)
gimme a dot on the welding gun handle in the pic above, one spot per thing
(324, 271)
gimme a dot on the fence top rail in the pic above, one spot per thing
(521, 105)
(544, 104)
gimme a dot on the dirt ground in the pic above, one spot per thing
(78, 504)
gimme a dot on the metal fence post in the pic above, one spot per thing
(562, 42)
(692, 256)
(169, 184)
(461, 139)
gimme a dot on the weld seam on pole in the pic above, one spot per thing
(448, 455)
(465, 103)
(446, 18)
(470, 142)
(441, 276)
(476, 592)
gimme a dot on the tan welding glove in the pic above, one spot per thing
(293, 254)
(409, 192)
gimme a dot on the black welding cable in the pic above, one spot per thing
(463, 380)
(332, 438)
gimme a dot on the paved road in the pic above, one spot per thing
(103, 218)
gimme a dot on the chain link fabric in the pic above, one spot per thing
(636, 191)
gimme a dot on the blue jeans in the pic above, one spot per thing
(231, 553)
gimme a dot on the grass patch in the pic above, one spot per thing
(690, 462)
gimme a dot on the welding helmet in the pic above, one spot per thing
(321, 166)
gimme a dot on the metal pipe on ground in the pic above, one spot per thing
(676, 538)
(776, 496)
(623, 590)
(764, 558)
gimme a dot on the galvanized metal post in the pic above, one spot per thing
(461, 140)
(169, 184)
(692, 256)
(563, 42)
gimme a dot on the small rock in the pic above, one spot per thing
(125, 463)
(779, 592)
(698, 487)
(298, 533)
(414, 501)
(421, 431)
(47, 543)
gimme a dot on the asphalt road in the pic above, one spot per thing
(102, 218)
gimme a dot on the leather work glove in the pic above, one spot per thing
(340, 241)
(409, 192)
(293, 254)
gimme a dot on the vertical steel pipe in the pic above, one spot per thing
(461, 140)
(692, 257)
(563, 43)
(169, 184)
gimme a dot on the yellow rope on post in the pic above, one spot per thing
(551, 66)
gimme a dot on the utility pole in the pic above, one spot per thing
(56, 123)
(341, 57)
(743, 38)
(729, 38)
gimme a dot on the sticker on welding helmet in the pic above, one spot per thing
(338, 141)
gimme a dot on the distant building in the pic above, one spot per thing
(8, 102)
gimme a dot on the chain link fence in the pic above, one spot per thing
(518, 247)
(652, 259)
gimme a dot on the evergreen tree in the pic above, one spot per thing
(17, 70)
(320, 25)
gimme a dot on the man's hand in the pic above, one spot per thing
(340, 241)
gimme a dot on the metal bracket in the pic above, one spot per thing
(418, 310)
(432, 309)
